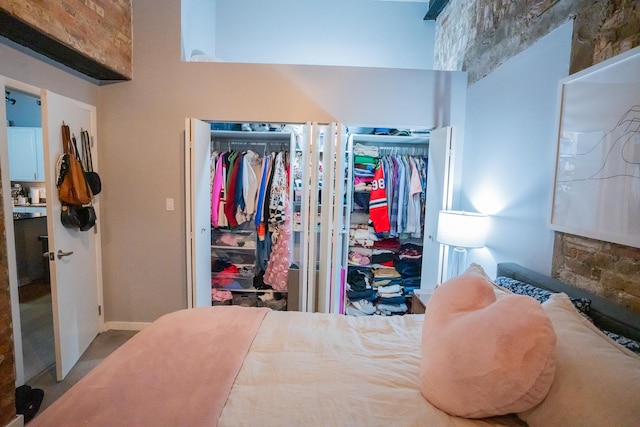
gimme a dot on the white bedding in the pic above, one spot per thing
(330, 370)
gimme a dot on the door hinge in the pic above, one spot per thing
(99, 310)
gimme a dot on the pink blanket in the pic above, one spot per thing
(177, 371)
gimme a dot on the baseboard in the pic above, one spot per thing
(125, 326)
(18, 421)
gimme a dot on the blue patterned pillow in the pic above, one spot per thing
(517, 287)
(628, 343)
(521, 288)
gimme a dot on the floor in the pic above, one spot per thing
(36, 320)
(103, 345)
(36, 323)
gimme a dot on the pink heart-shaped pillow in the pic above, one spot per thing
(483, 357)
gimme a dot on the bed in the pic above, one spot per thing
(237, 366)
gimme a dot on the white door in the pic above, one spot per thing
(340, 228)
(438, 197)
(74, 256)
(198, 209)
(326, 144)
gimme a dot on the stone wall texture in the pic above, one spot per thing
(478, 35)
(97, 29)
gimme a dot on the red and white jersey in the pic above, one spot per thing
(378, 212)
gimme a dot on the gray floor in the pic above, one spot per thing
(101, 347)
(36, 321)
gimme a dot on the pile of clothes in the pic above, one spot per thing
(381, 275)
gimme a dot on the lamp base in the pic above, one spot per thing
(458, 261)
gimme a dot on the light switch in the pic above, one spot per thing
(169, 203)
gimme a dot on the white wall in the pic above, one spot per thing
(198, 21)
(330, 32)
(141, 126)
(509, 153)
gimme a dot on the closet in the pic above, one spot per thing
(387, 187)
(324, 204)
(251, 239)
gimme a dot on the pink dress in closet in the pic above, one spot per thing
(277, 271)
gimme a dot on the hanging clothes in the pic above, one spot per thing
(279, 193)
(232, 176)
(378, 212)
(216, 187)
(248, 188)
(414, 208)
(221, 173)
(238, 198)
(262, 188)
(252, 167)
(397, 196)
(277, 271)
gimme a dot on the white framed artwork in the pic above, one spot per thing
(597, 177)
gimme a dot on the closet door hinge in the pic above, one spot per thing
(99, 310)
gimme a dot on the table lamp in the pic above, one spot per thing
(461, 230)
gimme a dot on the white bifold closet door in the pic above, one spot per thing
(326, 225)
(439, 197)
(321, 222)
(198, 212)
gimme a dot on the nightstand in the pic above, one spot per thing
(419, 300)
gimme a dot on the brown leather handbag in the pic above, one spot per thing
(74, 189)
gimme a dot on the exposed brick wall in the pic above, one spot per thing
(478, 35)
(96, 29)
(607, 269)
(7, 363)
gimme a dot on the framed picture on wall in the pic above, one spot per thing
(597, 177)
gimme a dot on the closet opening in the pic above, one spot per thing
(315, 217)
(252, 214)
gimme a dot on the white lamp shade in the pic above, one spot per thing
(462, 229)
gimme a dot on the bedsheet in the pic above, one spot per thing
(237, 366)
(312, 369)
(176, 372)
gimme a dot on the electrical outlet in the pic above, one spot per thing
(169, 204)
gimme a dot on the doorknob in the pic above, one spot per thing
(61, 254)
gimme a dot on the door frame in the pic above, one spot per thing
(12, 268)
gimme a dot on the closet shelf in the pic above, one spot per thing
(232, 135)
(233, 248)
(254, 290)
(369, 139)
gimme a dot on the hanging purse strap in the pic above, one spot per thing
(66, 139)
(86, 150)
(76, 152)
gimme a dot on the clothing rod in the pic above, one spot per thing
(403, 150)
(251, 143)
(412, 142)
